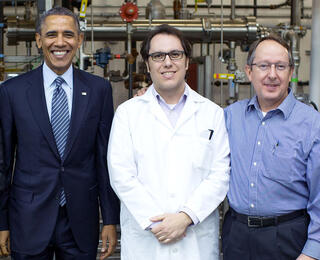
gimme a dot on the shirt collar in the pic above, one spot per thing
(285, 107)
(49, 76)
(161, 100)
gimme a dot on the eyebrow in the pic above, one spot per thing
(54, 32)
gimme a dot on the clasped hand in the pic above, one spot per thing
(172, 227)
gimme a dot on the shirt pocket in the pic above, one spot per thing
(279, 163)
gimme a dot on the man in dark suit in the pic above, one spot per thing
(56, 121)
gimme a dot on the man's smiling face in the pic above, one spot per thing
(168, 75)
(59, 40)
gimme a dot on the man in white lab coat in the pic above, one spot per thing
(169, 160)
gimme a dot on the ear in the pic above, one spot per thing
(148, 69)
(248, 72)
(81, 37)
(187, 63)
(38, 40)
(291, 73)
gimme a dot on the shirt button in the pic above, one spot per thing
(259, 142)
(252, 184)
(263, 123)
(62, 169)
(172, 195)
(252, 205)
(175, 250)
(255, 164)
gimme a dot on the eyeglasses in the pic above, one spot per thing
(265, 66)
(161, 56)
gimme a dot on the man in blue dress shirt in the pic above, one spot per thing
(274, 191)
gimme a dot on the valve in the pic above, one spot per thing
(129, 12)
(102, 57)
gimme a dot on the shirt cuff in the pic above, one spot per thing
(152, 225)
(190, 213)
(312, 249)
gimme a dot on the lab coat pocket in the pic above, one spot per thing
(202, 157)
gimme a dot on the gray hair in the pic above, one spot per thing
(271, 37)
(57, 11)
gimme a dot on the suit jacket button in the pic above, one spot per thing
(62, 169)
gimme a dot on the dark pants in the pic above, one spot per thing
(62, 244)
(283, 241)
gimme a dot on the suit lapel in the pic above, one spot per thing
(38, 105)
(79, 106)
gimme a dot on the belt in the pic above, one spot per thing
(257, 221)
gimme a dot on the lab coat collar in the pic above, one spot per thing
(191, 106)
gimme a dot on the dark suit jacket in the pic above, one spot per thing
(30, 204)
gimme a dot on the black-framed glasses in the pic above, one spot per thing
(161, 56)
(266, 66)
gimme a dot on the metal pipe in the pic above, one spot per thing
(221, 51)
(296, 12)
(184, 11)
(129, 50)
(315, 54)
(233, 10)
(238, 31)
(208, 77)
(255, 8)
(200, 79)
(92, 41)
(232, 66)
(294, 39)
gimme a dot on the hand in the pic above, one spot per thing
(141, 91)
(172, 228)
(4, 243)
(305, 257)
(108, 233)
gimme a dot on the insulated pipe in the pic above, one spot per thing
(238, 31)
(315, 54)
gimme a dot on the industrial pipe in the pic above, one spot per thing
(195, 30)
(315, 54)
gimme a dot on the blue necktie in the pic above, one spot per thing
(60, 123)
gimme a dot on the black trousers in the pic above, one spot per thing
(283, 241)
(62, 244)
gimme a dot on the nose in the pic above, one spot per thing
(273, 72)
(60, 40)
(167, 61)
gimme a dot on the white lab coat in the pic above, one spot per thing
(155, 169)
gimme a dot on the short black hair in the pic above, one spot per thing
(164, 29)
(56, 11)
(271, 37)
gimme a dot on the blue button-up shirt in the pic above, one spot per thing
(275, 162)
(49, 77)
